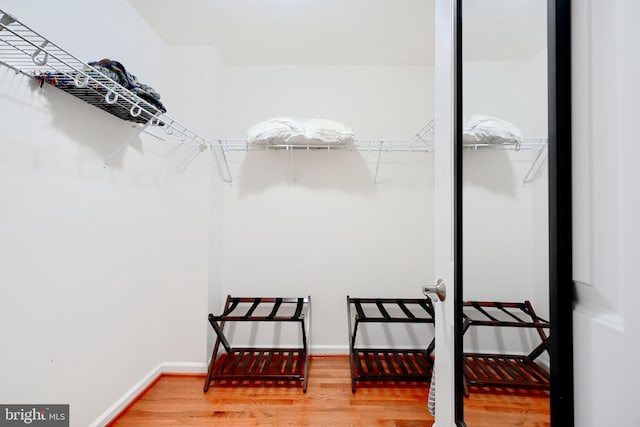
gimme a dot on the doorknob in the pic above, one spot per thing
(439, 289)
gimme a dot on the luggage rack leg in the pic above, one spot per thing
(219, 338)
(306, 333)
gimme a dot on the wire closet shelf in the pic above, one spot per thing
(27, 52)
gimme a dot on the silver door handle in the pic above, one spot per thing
(439, 289)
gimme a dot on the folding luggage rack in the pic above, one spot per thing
(388, 364)
(505, 370)
(260, 363)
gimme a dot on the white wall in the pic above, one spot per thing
(103, 271)
(195, 201)
(377, 102)
(512, 90)
(295, 223)
(606, 207)
(315, 224)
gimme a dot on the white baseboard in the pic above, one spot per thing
(184, 368)
(128, 397)
(319, 350)
(135, 391)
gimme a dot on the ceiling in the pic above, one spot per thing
(504, 29)
(342, 32)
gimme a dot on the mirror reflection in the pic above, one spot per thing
(505, 224)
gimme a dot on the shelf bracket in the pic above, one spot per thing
(225, 178)
(536, 167)
(109, 159)
(375, 176)
(292, 162)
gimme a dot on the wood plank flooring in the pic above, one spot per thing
(179, 401)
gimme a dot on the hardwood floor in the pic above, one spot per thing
(179, 401)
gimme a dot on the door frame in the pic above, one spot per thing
(560, 214)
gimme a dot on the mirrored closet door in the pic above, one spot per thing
(505, 216)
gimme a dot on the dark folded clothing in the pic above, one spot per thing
(95, 94)
(117, 72)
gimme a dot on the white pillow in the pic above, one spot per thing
(327, 131)
(278, 129)
(490, 130)
(287, 130)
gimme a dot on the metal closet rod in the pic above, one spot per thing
(243, 145)
(536, 143)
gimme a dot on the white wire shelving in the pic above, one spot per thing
(27, 52)
(420, 142)
(536, 145)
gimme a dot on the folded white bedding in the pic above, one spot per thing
(490, 130)
(291, 131)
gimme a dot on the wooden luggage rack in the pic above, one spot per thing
(505, 370)
(260, 363)
(387, 364)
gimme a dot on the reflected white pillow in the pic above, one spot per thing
(287, 130)
(491, 130)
